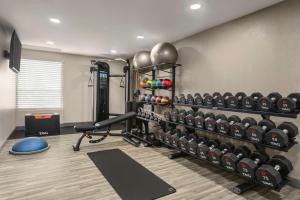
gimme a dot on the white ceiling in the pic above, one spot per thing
(94, 27)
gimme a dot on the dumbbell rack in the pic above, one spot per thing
(151, 71)
(243, 187)
(260, 147)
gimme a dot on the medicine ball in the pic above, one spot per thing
(163, 53)
(142, 59)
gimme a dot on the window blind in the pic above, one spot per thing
(39, 84)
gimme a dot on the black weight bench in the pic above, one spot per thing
(94, 129)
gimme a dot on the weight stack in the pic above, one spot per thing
(42, 124)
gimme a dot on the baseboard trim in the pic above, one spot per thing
(69, 124)
(4, 143)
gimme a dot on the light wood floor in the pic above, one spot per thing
(61, 174)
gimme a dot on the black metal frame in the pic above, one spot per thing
(89, 135)
(247, 185)
(167, 68)
(243, 187)
(262, 113)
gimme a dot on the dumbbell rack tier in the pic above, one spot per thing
(167, 68)
(285, 149)
(249, 184)
(155, 104)
(263, 113)
(252, 182)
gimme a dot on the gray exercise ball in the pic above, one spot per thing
(142, 59)
(163, 53)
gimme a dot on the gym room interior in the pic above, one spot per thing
(149, 99)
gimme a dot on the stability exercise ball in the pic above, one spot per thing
(29, 145)
(141, 59)
(163, 53)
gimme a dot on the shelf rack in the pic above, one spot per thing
(162, 67)
(259, 146)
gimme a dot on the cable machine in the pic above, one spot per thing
(99, 82)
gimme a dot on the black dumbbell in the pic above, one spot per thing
(211, 123)
(182, 99)
(162, 134)
(281, 135)
(174, 115)
(177, 134)
(215, 154)
(190, 118)
(208, 100)
(140, 112)
(183, 141)
(152, 115)
(203, 148)
(200, 119)
(289, 104)
(248, 166)
(230, 160)
(269, 103)
(256, 133)
(190, 99)
(223, 126)
(176, 99)
(274, 172)
(215, 96)
(236, 101)
(194, 142)
(181, 116)
(168, 136)
(198, 100)
(221, 101)
(251, 102)
(238, 129)
(147, 114)
(167, 115)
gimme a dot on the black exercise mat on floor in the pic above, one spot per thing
(130, 180)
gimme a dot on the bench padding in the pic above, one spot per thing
(105, 123)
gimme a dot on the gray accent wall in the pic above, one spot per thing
(259, 52)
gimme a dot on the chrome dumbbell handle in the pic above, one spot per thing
(277, 167)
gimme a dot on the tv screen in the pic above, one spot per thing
(15, 52)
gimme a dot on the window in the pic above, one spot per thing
(39, 84)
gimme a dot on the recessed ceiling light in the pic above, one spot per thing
(50, 42)
(54, 20)
(140, 37)
(113, 51)
(195, 6)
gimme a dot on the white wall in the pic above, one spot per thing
(77, 95)
(259, 52)
(7, 88)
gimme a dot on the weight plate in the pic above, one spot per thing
(276, 137)
(246, 167)
(268, 176)
(290, 127)
(286, 105)
(208, 101)
(190, 99)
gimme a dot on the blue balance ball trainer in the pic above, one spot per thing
(29, 145)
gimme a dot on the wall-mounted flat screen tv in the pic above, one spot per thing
(15, 52)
